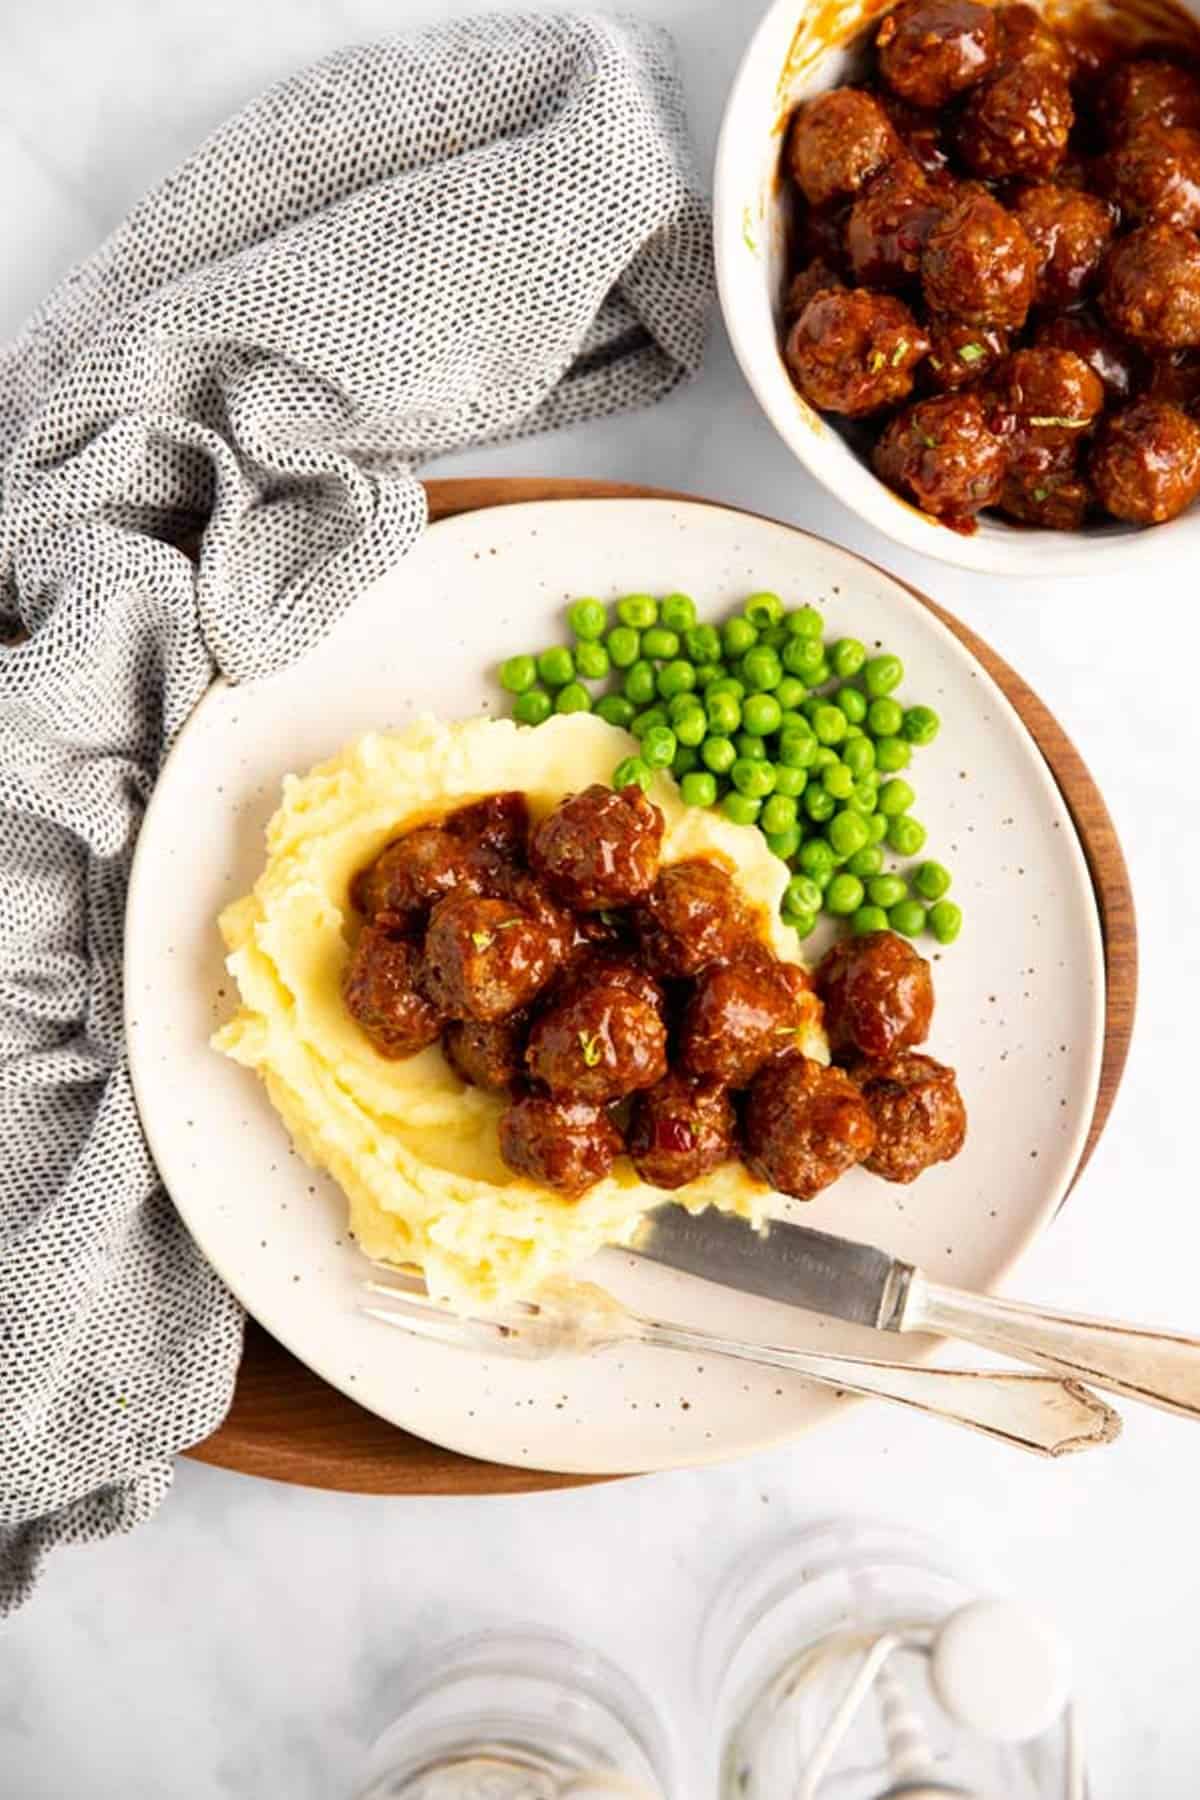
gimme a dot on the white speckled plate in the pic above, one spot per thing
(1020, 996)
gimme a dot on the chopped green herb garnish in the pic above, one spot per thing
(900, 352)
(876, 361)
(590, 1046)
(1067, 424)
(972, 353)
(482, 940)
(924, 438)
(1041, 493)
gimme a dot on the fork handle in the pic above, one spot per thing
(1161, 1368)
(1036, 1412)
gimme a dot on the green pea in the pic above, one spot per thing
(660, 643)
(906, 835)
(615, 709)
(778, 813)
(646, 721)
(679, 705)
(824, 758)
(847, 834)
(866, 862)
(727, 684)
(844, 895)
(591, 660)
(708, 672)
(945, 921)
(702, 642)
(819, 805)
(798, 749)
(761, 669)
(817, 859)
(574, 698)
(822, 673)
(868, 919)
(533, 707)
(884, 717)
(684, 761)
(802, 656)
(853, 702)
(724, 712)
(632, 771)
(802, 923)
(699, 788)
(638, 610)
(518, 674)
(639, 683)
(774, 636)
(877, 826)
(895, 797)
(859, 756)
(738, 636)
(658, 746)
(789, 780)
(755, 779)
(802, 895)
(718, 754)
(743, 809)
(882, 674)
(854, 731)
(805, 621)
(837, 780)
(761, 714)
(848, 657)
(588, 619)
(556, 666)
(887, 891)
(624, 646)
(790, 692)
(829, 723)
(784, 844)
(677, 611)
(891, 755)
(931, 880)
(763, 610)
(863, 798)
(792, 720)
(674, 677)
(691, 727)
(908, 918)
(751, 747)
(921, 725)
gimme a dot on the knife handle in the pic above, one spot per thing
(1161, 1368)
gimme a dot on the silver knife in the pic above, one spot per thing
(866, 1286)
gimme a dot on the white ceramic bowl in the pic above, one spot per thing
(800, 48)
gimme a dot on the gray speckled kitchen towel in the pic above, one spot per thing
(486, 229)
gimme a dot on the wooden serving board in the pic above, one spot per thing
(286, 1423)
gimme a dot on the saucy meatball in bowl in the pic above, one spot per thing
(958, 252)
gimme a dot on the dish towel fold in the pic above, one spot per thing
(486, 229)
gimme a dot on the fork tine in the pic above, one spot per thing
(439, 1328)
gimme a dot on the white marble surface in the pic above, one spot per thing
(246, 1642)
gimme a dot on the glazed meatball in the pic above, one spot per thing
(1149, 90)
(854, 352)
(1151, 291)
(1017, 123)
(1023, 36)
(599, 1046)
(568, 1145)
(599, 848)
(741, 1015)
(1146, 462)
(565, 933)
(680, 1129)
(1117, 365)
(487, 1053)
(692, 916)
(917, 1112)
(878, 995)
(837, 142)
(1056, 500)
(1069, 231)
(484, 958)
(383, 995)
(608, 966)
(804, 1126)
(499, 823)
(414, 872)
(889, 224)
(979, 265)
(944, 455)
(1050, 395)
(960, 354)
(930, 50)
(806, 282)
(1154, 176)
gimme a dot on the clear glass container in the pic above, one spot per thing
(517, 1715)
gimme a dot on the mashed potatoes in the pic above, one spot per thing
(415, 1150)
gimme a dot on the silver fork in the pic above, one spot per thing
(1041, 1413)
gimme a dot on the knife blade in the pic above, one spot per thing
(786, 1262)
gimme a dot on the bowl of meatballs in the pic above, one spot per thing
(958, 251)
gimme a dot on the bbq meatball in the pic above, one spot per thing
(499, 823)
(1117, 365)
(805, 283)
(1069, 231)
(1148, 90)
(837, 142)
(487, 1053)
(917, 1111)
(608, 966)
(680, 1129)
(890, 222)
(804, 1126)
(943, 454)
(854, 352)
(565, 933)
(414, 872)
(1151, 290)
(1154, 176)
(1057, 500)
(599, 1046)
(1146, 462)
(382, 991)
(930, 50)
(484, 958)
(692, 916)
(1017, 122)
(961, 354)
(740, 1015)
(599, 848)
(568, 1145)
(979, 265)
(1023, 36)
(1050, 395)
(878, 995)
